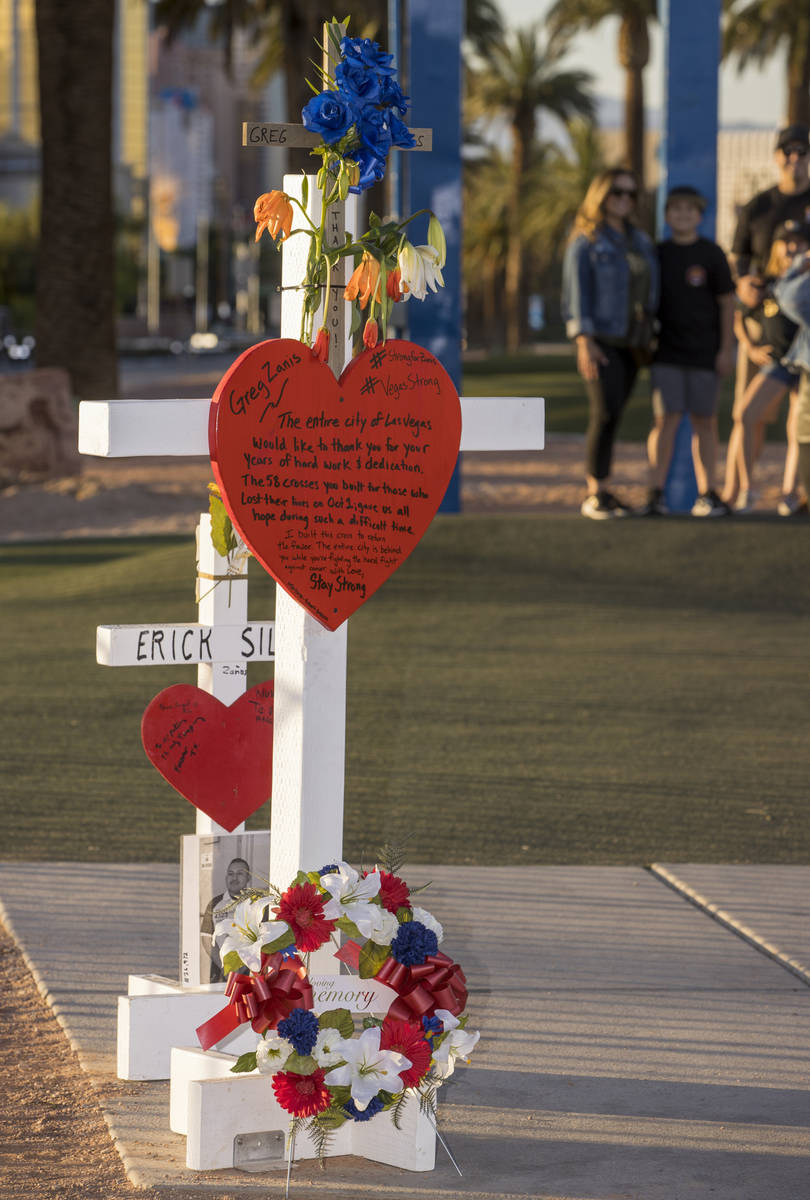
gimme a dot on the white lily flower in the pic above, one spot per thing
(458, 1044)
(447, 1019)
(272, 1052)
(429, 921)
(326, 1051)
(367, 1069)
(350, 894)
(419, 270)
(244, 931)
(378, 925)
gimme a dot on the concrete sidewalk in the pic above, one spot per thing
(634, 1047)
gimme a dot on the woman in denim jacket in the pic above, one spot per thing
(610, 294)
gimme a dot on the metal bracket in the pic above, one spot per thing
(258, 1151)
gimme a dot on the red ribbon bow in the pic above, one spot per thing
(438, 982)
(263, 998)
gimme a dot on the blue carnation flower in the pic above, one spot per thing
(374, 1106)
(413, 943)
(328, 869)
(300, 1028)
(432, 1025)
(364, 52)
(330, 115)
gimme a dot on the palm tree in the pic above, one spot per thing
(567, 17)
(75, 293)
(517, 77)
(756, 30)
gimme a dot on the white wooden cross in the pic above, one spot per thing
(309, 720)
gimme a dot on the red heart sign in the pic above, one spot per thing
(331, 483)
(219, 757)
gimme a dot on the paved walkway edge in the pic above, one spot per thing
(799, 969)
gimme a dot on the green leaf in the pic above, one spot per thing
(339, 1019)
(404, 915)
(372, 1022)
(232, 962)
(372, 958)
(245, 1062)
(347, 925)
(282, 941)
(223, 537)
(341, 1094)
(302, 1064)
(331, 1118)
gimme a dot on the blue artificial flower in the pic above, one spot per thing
(373, 130)
(328, 869)
(371, 167)
(288, 952)
(432, 1025)
(357, 83)
(363, 51)
(413, 943)
(300, 1028)
(391, 95)
(329, 114)
(374, 1106)
(400, 133)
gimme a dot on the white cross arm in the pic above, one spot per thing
(161, 645)
(258, 134)
(137, 428)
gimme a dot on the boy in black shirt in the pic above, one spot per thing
(695, 348)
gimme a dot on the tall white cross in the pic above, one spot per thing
(310, 661)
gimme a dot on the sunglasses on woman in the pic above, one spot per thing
(620, 191)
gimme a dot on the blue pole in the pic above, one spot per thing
(689, 157)
(435, 29)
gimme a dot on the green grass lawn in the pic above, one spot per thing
(554, 377)
(523, 690)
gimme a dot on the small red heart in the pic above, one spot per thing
(332, 483)
(219, 757)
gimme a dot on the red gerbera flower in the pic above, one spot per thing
(409, 1040)
(301, 907)
(394, 892)
(302, 1095)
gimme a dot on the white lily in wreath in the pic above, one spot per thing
(457, 1044)
(367, 1069)
(245, 931)
(351, 895)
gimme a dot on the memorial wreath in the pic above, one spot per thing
(330, 1067)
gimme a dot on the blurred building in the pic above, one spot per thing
(19, 105)
(745, 165)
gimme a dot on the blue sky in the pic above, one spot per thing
(754, 97)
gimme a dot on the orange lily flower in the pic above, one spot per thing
(273, 212)
(392, 284)
(364, 281)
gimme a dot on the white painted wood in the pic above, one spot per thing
(117, 429)
(161, 645)
(212, 1107)
(190, 1063)
(150, 1025)
(160, 985)
(502, 423)
(222, 600)
(487, 423)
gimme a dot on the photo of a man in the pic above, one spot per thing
(237, 878)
